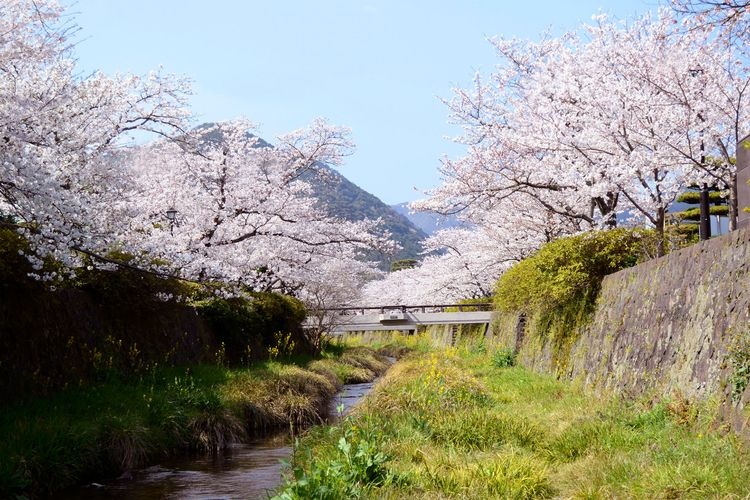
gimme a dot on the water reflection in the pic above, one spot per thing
(249, 470)
(349, 396)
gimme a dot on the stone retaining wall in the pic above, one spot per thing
(665, 326)
(743, 177)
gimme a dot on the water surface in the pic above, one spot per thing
(248, 470)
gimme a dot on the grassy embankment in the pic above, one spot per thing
(462, 423)
(95, 430)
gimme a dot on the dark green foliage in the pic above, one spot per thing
(402, 264)
(109, 324)
(126, 285)
(13, 265)
(695, 213)
(247, 327)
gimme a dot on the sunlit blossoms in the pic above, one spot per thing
(589, 130)
(58, 131)
(242, 212)
(214, 204)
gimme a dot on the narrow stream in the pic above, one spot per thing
(248, 470)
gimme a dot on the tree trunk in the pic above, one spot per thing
(606, 208)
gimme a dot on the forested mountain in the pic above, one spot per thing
(342, 198)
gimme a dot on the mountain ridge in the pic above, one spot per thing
(428, 222)
(342, 198)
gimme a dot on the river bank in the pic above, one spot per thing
(462, 423)
(252, 469)
(102, 430)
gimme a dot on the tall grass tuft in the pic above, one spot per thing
(482, 429)
(214, 427)
(126, 444)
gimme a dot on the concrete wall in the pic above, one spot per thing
(440, 335)
(665, 326)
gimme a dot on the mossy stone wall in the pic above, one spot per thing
(666, 326)
(50, 339)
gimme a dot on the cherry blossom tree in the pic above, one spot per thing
(461, 263)
(242, 212)
(725, 24)
(336, 282)
(58, 131)
(701, 106)
(215, 205)
(728, 16)
(615, 119)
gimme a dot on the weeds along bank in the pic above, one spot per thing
(677, 325)
(460, 423)
(99, 430)
(110, 369)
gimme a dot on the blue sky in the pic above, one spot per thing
(376, 66)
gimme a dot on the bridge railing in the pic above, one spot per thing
(353, 311)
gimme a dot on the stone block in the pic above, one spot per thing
(743, 176)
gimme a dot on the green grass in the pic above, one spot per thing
(87, 432)
(452, 423)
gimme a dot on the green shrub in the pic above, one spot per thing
(567, 270)
(695, 213)
(356, 466)
(504, 358)
(249, 327)
(694, 197)
(556, 288)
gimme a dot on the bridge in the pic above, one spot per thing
(405, 318)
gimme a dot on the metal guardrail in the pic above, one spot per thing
(351, 311)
